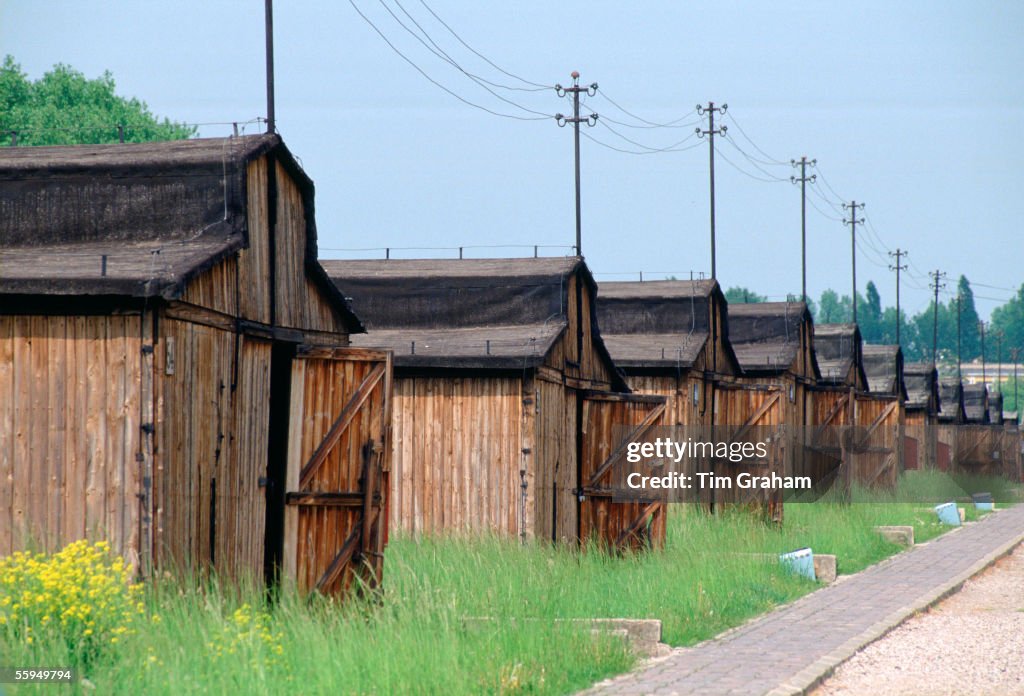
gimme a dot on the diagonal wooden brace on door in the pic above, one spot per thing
(360, 532)
(758, 414)
(338, 428)
(639, 522)
(877, 422)
(646, 424)
(833, 412)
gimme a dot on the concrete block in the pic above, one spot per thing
(825, 567)
(642, 636)
(898, 534)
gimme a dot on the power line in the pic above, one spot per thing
(487, 60)
(993, 287)
(752, 160)
(826, 200)
(444, 55)
(627, 151)
(824, 180)
(440, 53)
(728, 161)
(646, 147)
(874, 233)
(876, 260)
(822, 212)
(770, 160)
(435, 82)
(649, 124)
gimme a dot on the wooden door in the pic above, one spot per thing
(748, 413)
(942, 456)
(611, 512)
(827, 440)
(978, 450)
(910, 453)
(337, 471)
(875, 441)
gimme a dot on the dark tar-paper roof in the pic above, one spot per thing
(462, 313)
(132, 219)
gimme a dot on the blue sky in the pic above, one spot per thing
(915, 108)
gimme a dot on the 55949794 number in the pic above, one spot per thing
(35, 675)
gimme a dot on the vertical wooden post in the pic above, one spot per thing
(296, 418)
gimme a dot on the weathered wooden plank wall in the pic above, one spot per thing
(555, 445)
(299, 303)
(919, 426)
(213, 438)
(254, 262)
(70, 400)
(456, 454)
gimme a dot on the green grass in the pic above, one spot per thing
(467, 616)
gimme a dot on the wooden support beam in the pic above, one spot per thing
(620, 451)
(350, 411)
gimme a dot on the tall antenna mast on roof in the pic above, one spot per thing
(269, 17)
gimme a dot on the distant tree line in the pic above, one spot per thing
(878, 323)
(63, 107)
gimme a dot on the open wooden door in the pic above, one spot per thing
(337, 476)
(827, 439)
(978, 450)
(876, 456)
(611, 512)
(751, 413)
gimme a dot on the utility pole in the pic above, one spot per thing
(999, 359)
(981, 329)
(590, 120)
(803, 179)
(937, 284)
(853, 222)
(268, 7)
(710, 110)
(898, 254)
(959, 374)
(1015, 356)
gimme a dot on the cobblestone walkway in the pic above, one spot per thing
(791, 649)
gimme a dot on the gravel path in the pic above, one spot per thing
(971, 643)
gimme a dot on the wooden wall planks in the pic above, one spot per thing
(69, 431)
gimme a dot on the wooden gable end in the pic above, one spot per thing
(579, 353)
(723, 361)
(272, 282)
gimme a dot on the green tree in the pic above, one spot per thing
(970, 334)
(63, 107)
(869, 315)
(738, 295)
(832, 309)
(1010, 320)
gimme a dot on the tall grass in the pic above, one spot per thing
(480, 615)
